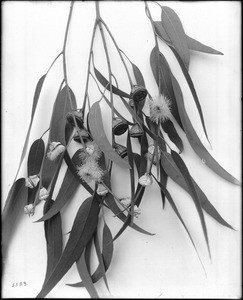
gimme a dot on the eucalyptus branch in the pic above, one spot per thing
(118, 50)
(98, 18)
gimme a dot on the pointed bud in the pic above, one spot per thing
(43, 194)
(126, 201)
(101, 190)
(55, 149)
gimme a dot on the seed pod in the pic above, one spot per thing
(79, 117)
(121, 150)
(136, 131)
(84, 134)
(138, 93)
(119, 126)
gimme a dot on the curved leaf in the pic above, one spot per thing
(82, 230)
(36, 153)
(174, 173)
(63, 105)
(35, 101)
(107, 252)
(193, 91)
(13, 208)
(106, 84)
(86, 277)
(98, 134)
(194, 140)
(175, 31)
(192, 43)
(65, 194)
(184, 171)
(172, 203)
(169, 128)
(165, 82)
(54, 241)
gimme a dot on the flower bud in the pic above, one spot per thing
(136, 211)
(29, 209)
(101, 190)
(138, 93)
(32, 181)
(145, 180)
(136, 131)
(150, 154)
(43, 194)
(79, 117)
(126, 201)
(84, 134)
(119, 126)
(121, 150)
(55, 149)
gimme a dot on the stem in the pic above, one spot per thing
(156, 41)
(118, 50)
(98, 18)
(89, 62)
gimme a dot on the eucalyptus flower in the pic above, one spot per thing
(90, 170)
(160, 109)
(29, 209)
(55, 149)
(145, 180)
(43, 194)
(32, 181)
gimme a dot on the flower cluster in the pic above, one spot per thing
(159, 109)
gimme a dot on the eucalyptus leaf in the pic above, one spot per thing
(169, 128)
(192, 43)
(67, 190)
(174, 173)
(106, 84)
(194, 140)
(159, 66)
(192, 88)
(82, 230)
(99, 135)
(86, 277)
(184, 171)
(34, 105)
(36, 153)
(13, 209)
(174, 29)
(54, 240)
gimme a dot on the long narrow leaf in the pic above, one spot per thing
(184, 171)
(174, 29)
(54, 240)
(169, 128)
(106, 84)
(83, 228)
(192, 43)
(159, 65)
(194, 140)
(98, 134)
(174, 173)
(13, 209)
(192, 88)
(86, 278)
(35, 101)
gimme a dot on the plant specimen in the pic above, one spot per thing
(145, 141)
